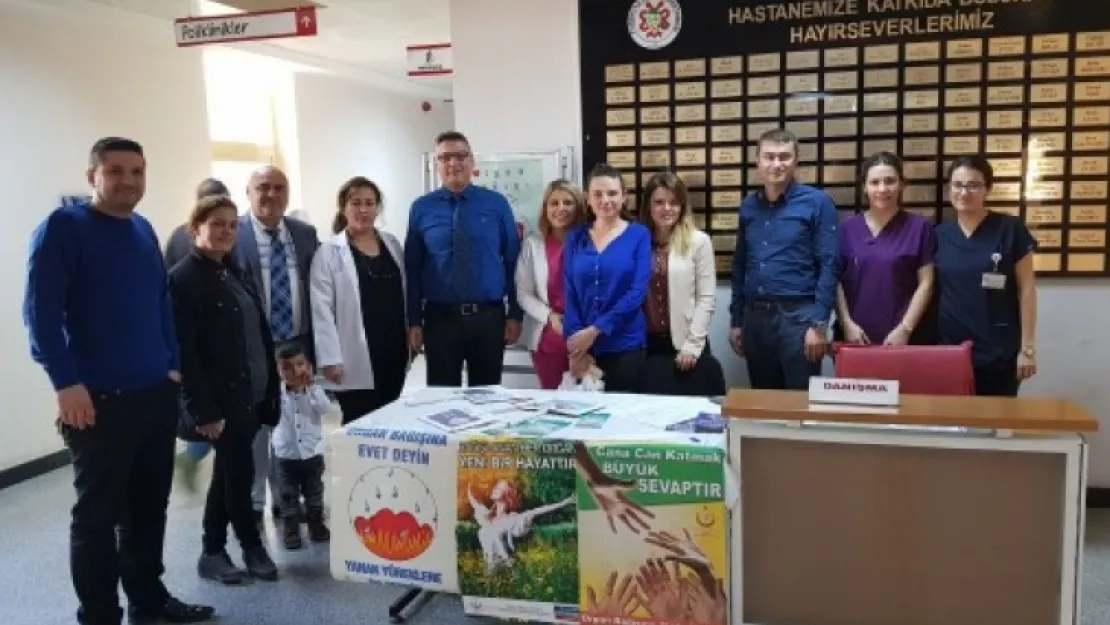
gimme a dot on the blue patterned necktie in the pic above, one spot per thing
(462, 264)
(281, 293)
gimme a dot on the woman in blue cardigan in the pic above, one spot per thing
(607, 264)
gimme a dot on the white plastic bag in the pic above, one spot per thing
(590, 383)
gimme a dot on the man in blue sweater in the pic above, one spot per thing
(98, 313)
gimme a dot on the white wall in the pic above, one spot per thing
(517, 87)
(66, 83)
(346, 129)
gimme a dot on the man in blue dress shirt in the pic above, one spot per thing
(98, 312)
(784, 273)
(460, 261)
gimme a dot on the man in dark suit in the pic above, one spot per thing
(275, 252)
(180, 243)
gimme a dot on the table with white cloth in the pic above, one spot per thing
(617, 515)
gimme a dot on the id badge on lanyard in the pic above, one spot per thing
(994, 280)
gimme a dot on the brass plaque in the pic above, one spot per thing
(1048, 44)
(726, 65)
(726, 110)
(1006, 70)
(688, 157)
(726, 199)
(797, 83)
(655, 158)
(925, 75)
(760, 63)
(724, 241)
(920, 193)
(919, 146)
(725, 221)
(655, 115)
(620, 117)
(1003, 144)
(928, 214)
(803, 59)
(755, 130)
(732, 88)
(1047, 142)
(920, 122)
(1047, 166)
(806, 174)
(964, 72)
(803, 130)
(763, 108)
(692, 178)
(1005, 120)
(620, 138)
(1044, 214)
(689, 68)
(842, 196)
(840, 151)
(1048, 118)
(696, 198)
(880, 125)
(629, 182)
(1006, 46)
(1089, 166)
(1086, 262)
(727, 177)
(1050, 92)
(877, 55)
(877, 78)
(1047, 262)
(1092, 116)
(764, 85)
(655, 93)
(699, 221)
(840, 104)
(920, 170)
(1048, 237)
(655, 136)
(962, 97)
(689, 134)
(727, 156)
(1014, 211)
(620, 73)
(1006, 167)
(923, 51)
(841, 81)
(620, 95)
(625, 160)
(965, 49)
(1006, 191)
(802, 107)
(927, 99)
(1046, 191)
(724, 263)
(1088, 214)
(831, 174)
(961, 121)
(729, 133)
(1092, 66)
(879, 145)
(1091, 91)
(689, 113)
(807, 152)
(886, 101)
(1088, 190)
(841, 57)
(689, 90)
(1049, 68)
(1006, 94)
(1090, 141)
(656, 70)
(841, 127)
(1087, 42)
(959, 145)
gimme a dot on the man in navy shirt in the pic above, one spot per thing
(98, 312)
(783, 272)
(460, 262)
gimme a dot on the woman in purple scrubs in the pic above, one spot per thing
(886, 261)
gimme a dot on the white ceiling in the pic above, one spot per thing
(364, 39)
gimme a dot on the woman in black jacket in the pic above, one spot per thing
(229, 384)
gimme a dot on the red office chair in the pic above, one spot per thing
(919, 369)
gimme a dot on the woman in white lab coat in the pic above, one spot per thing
(358, 305)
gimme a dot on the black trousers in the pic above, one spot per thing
(359, 403)
(457, 335)
(123, 471)
(302, 477)
(229, 492)
(997, 379)
(661, 376)
(621, 370)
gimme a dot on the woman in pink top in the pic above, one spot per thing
(539, 280)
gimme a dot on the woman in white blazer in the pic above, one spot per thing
(358, 306)
(539, 280)
(681, 296)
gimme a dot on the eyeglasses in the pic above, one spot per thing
(455, 156)
(973, 188)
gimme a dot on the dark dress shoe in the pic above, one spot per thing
(173, 611)
(291, 534)
(259, 564)
(219, 568)
(317, 529)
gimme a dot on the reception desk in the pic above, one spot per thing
(942, 511)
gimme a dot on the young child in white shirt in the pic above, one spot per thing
(297, 440)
